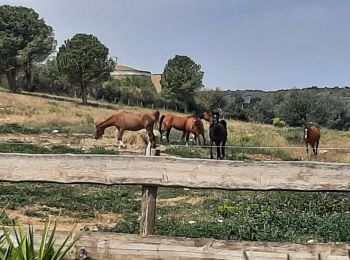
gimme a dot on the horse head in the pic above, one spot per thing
(210, 116)
(99, 132)
(305, 132)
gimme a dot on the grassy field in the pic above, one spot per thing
(26, 125)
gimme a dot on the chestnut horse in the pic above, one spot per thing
(312, 136)
(195, 126)
(132, 121)
(217, 133)
(167, 122)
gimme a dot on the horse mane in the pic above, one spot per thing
(223, 122)
(104, 121)
(309, 124)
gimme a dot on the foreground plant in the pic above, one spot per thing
(19, 244)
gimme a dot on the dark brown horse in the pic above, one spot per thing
(217, 133)
(312, 137)
(131, 121)
(167, 122)
(195, 126)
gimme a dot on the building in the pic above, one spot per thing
(121, 71)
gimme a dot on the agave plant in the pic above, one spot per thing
(19, 244)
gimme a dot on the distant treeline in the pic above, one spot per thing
(328, 107)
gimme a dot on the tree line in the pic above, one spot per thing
(81, 68)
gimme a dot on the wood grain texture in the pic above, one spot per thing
(170, 171)
(124, 246)
(148, 210)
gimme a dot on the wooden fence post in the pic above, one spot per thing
(148, 202)
(148, 210)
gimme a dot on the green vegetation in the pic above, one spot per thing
(239, 215)
(133, 91)
(84, 59)
(21, 147)
(181, 78)
(25, 38)
(19, 129)
(80, 201)
(19, 244)
(329, 107)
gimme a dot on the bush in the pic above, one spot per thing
(279, 122)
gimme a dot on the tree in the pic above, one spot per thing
(181, 78)
(24, 39)
(48, 79)
(296, 108)
(84, 59)
(211, 99)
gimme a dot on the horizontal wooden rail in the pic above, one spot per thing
(196, 173)
(98, 245)
(169, 171)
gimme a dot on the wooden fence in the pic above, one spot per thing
(152, 172)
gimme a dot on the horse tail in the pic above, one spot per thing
(161, 122)
(193, 125)
(156, 115)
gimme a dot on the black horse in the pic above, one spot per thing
(217, 133)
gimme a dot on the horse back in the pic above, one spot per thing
(194, 125)
(312, 134)
(218, 132)
(178, 122)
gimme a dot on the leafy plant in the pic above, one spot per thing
(19, 244)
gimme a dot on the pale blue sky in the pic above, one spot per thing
(240, 44)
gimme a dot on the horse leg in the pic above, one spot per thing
(211, 150)
(317, 148)
(218, 156)
(223, 143)
(119, 138)
(307, 151)
(197, 139)
(203, 139)
(167, 134)
(314, 149)
(187, 137)
(183, 136)
(161, 135)
(151, 136)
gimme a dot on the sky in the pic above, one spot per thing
(240, 44)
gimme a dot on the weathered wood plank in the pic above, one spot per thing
(100, 245)
(148, 210)
(169, 171)
(116, 246)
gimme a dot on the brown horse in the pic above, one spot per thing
(195, 126)
(132, 121)
(167, 122)
(217, 133)
(312, 136)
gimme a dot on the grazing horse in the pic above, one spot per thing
(169, 121)
(217, 133)
(132, 121)
(312, 136)
(195, 126)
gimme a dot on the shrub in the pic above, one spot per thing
(279, 122)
